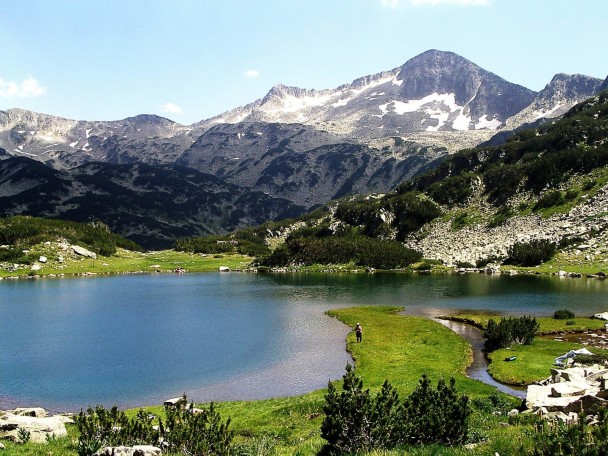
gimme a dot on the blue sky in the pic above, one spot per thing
(189, 60)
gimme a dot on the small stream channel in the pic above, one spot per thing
(478, 370)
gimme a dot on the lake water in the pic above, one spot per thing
(140, 339)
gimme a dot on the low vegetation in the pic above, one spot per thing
(355, 420)
(510, 331)
(19, 233)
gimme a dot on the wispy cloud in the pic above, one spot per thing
(252, 73)
(171, 108)
(450, 2)
(28, 88)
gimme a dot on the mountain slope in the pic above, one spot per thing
(152, 205)
(549, 183)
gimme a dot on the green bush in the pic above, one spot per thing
(438, 415)
(563, 314)
(550, 199)
(197, 432)
(531, 253)
(574, 438)
(362, 250)
(101, 427)
(356, 421)
(510, 331)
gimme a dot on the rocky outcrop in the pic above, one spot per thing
(574, 390)
(39, 426)
(587, 222)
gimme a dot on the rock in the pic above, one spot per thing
(173, 401)
(83, 252)
(601, 315)
(224, 269)
(568, 389)
(513, 412)
(137, 450)
(36, 412)
(43, 259)
(36, 267)
(39, 428)
(2, 447)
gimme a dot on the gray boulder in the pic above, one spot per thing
(137, 450)
(83, 252)
(40, 429)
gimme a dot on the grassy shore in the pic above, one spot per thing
(126, 261)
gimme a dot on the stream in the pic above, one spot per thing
(478, 370)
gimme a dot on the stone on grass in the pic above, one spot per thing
(83, 252)
(40, 429)
(137, 450)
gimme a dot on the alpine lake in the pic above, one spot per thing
(136, 340)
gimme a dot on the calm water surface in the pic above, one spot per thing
(133, 340)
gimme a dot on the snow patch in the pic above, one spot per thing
(73, 144)
(441, 118)
(545, 113)
(88, 132)
(341, 102)
(461, 122)
(293, 104)
(490, 124)
(400, 107)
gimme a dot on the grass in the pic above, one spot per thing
(126, 261)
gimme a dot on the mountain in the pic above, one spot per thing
(435, 91)
(151, 205)
(561, 94)
(303, 146)
(545, 184)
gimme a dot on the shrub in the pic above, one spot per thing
(574, 438)
(186, 431)
(100, 427)
(563, 314)
(510, 331)
(550, 199)
(435, 415)
(199, 432)
(531, 253)
(355, 421)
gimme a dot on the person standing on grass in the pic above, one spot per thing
(359, 332)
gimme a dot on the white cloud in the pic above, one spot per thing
(171, 108)
(449, 2)
(25, 89)
(252, 73)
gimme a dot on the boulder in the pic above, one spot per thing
(601, 315)
(39, 428)
(137, 450)
(36, 412)
(224, 269)
(83, 252)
